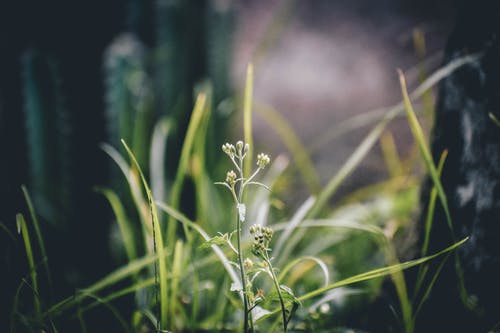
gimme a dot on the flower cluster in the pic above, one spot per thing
(231, 178)
(262, 238)
(237, 154)
(262, 160)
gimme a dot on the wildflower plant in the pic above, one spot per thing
(237, 183)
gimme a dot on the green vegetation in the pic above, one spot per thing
(187, 274)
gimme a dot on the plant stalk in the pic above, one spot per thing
(278, 290)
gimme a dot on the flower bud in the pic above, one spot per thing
(239, 146)
(229, 149)
(262, 160)
(231, 178)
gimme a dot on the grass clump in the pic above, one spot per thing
(253, 275)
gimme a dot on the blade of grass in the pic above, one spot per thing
(111, 308)
(372, 274)
(124, 224)
(123, 292)
(38, 233)
(7, 231)
(430, 286)
(419, 137)
(494, 119)
(177, 216)
(121, 273)
(352, 162)
(157, 157)
(373, 116)
(176, 274)
(175, 196)
(391, 156)
(133, 182)
(321, 264)
(432, 206)
(247, 119)
(23, 229)
(157, 244)
(369, 141)
(15, 305)
(293, 144)
(287, 241)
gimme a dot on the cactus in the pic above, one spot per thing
(129, 97)
(48, 137)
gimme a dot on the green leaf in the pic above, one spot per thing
(157, 236)
(247, 119)
(216, 240)
(418, 134)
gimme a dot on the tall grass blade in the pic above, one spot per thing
(7, 231)
(157, 153)
(114, 311)
(176, 275)
(247, 119)
(286, 241)
(176, 215)
(38, 233)
(294, 145)
(157, 243)
(430, 286)
(122, 292)
(494, 119)
(123, 221)
(374, 116)
(419, 137)
(21, 225)
(133, 181)
(320, 263)
(432, 206)
(175, 197)
(390, 153)
(121, 273)
(351, 163)
(372, 274)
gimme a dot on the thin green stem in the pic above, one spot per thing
(239, 198)
(242, 272)
(278, 290)
(250, 178)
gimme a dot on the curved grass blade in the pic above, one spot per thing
(23, 229)
(287, 241)
(247, 119)
(38, 233)
(133, 182)
(157, 243)
(494, 119)
(111, 308)
(373, 116)
(176, 215)
(432, 206)
(370, 140)
(419, 137)
(430, 286)
(175, 197)
(109, 280)
(157, 157)
(123, 292)
(7, 231)
(372, 274)
(126, 228)
(316, 260)
(293, 144)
